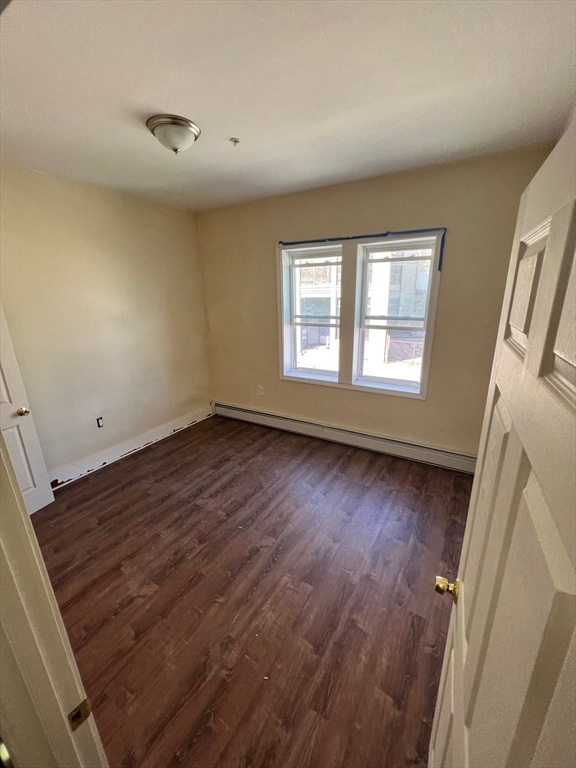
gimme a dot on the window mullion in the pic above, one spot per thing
(347, 312)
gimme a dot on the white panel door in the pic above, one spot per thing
(40, 686)
(18, 429)
(506, 697)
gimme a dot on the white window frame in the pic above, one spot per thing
(320, 254)
(354, 271)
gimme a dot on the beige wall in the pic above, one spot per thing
(103, 296)
(476, 200)
(104, 299)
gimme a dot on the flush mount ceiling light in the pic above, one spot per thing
(173, 132)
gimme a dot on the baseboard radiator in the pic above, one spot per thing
(458, 461)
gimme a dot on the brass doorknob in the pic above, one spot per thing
(442, 586)
(22, 411)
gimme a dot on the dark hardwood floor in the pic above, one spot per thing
(240, 596)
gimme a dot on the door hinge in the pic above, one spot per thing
(80, 713)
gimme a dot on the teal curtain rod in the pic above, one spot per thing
(379, 234)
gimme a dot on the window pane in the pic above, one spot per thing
(310, 261)
(315, 275)
(420, 253)
(392, 354)
(311, 306)
(317, 348)
(316, 292)
(397, 289)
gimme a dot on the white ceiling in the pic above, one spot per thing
(318, 91)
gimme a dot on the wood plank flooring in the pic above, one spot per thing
(240, 596)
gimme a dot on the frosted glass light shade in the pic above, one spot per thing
(173, 132)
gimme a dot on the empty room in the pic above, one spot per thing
(288, 383)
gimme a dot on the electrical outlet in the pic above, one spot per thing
(260, 391)
(100, 422)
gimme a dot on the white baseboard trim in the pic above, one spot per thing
(459, 461)
(71, 472)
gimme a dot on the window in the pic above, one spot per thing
(360, 313)
(314, 277)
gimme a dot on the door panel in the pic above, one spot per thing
(492, 575)
(558, 735)
(524, 294)
(40, 679)
(442, 732)
(506, 679)
(492, 471)
(15, 445)
(535, 601)
(565, 344)
(20, 431)
(4, 391)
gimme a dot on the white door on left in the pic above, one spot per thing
(19, 430)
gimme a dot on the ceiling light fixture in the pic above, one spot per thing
(173, 132)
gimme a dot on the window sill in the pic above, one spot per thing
(396, 390)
